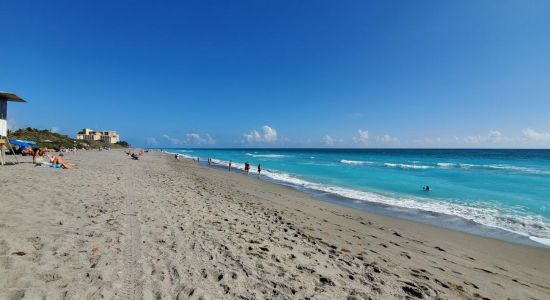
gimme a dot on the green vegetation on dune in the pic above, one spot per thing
(53, 140)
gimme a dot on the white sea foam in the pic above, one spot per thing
(448, 165)
(511, 168)
(267, 155)
(180, 154)
(356, 162)
(406, 166)
(505, 168)
(540, 240)
(519, 169)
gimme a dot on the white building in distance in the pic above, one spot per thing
(88, 134)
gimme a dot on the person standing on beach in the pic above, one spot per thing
(259, 170)
(246, 167)
(229, 166)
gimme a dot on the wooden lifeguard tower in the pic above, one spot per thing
(4, 141)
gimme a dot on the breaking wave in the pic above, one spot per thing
(356, 162)
(406, 166)
(267, 155)
(449, 165)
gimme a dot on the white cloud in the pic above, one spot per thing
(197, 139)
(55, 129)
(173, 141)
(491, 139)
(386, 138)
(430, 141)
(362, 137)
(269, 136)
(194, 138)
(328, 140)
(253, 136)
(535, 135)
(191, 138)
(331, 141)
(473, 139)
(494, 136)
(152, 141)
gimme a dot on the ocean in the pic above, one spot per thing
(503, 194)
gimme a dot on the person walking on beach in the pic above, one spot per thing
(246, 167)
(229, 166)
(259, 170)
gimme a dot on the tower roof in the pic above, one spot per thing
(7, 96)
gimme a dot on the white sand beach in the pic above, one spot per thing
(157, 228)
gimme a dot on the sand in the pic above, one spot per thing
(157, 228)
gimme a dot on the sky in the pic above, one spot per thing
(435, 74)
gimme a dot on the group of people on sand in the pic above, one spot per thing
(135, 154)
(41, 158)
(230, 164)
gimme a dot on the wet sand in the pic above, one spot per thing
(158, 228)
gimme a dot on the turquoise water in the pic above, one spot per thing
(506, 189)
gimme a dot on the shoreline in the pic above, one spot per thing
(160, 228)
(442, 220)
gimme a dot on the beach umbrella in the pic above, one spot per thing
(22, 143)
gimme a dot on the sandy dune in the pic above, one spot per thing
(113, 228)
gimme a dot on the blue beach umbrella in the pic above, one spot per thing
(22, 143)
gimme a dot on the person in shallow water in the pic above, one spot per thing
(426, 188)
(259, 169)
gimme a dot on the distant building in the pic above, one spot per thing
(88, 134)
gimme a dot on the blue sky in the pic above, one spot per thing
(283, 73)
